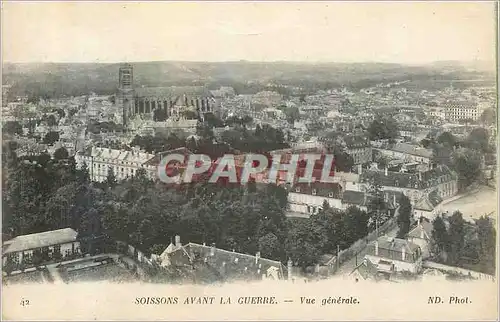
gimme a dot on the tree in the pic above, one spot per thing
(83, 175)
(385, 128)
(355, 224)
(61, 154)
(377, 207)
(487, 244)
(51, 138)
(269, 246)
(12, 127)
(456, 234)
(51, 120)
(110, 178)
(489, 116)
(404, 216)
(478, 139)
(467, 164)
(304, 243)
(439, 234)
(447, 139)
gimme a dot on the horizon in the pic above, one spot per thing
(411, 33)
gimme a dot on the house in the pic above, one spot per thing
(406, 152)
(31, 250)
(124, 163)
(421, 235)
(428, 206)
(359, 148)
(392, 255)
(366, 271)
(228, 265)
(416, 185)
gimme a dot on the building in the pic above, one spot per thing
(229, 265)
(359, 148)
(173, 100)
(421, 235)
(391, 255)
(30, 250)
(415, 185)
(406, 152)
(366, 271)
(459, 111)
(124, 163)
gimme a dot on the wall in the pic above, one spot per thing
(359, 245)
(441, 267)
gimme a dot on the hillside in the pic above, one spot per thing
(71, 79)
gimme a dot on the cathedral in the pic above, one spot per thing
(174, 101)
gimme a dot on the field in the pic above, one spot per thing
(106, 272)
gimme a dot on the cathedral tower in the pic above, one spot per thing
(125, 97)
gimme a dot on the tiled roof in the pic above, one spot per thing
(356, 141)
(33, 241)
(430, 201)
(232, 265)
(391, 248)
(122, 155)
(429, 178)
(354, 198)
(323, 189)
(408, 149)
(366, 269)
(423, 227)
(173, 91)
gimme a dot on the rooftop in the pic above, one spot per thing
(173, 91)
(419, 180)
(392, 248)
(39, 240)
(408, 149)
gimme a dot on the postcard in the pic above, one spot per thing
(235, 160)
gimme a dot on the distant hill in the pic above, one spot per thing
(72, 79)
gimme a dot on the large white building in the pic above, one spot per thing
(124, 163)
(455, 112)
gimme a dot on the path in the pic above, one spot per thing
(348, 266)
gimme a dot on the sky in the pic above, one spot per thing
(396, 32)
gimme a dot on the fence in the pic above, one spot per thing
(463, 271)
(360, 244)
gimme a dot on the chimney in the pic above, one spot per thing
(421, 231)
(289, 268)
(178, 241)
(212, 250)
(257, 257)
(403, 253)
(204, 244)
(420, 176)
(365, 261)
(386, 171)
(316, 268)
(360, 169)
(376, 247)
(394, 200)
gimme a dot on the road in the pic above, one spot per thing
(348, 266)
(474, 205)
